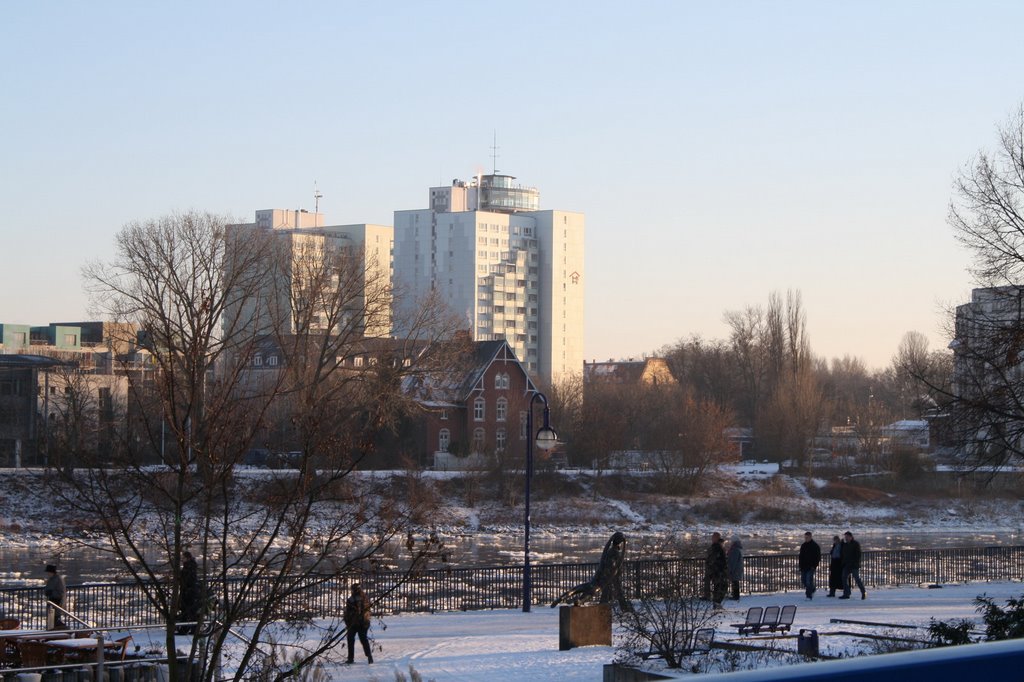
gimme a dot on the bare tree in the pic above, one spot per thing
(987, 217)
(920, 376)
(748, 332)
(697, 444)
(987, 211)
(792, 417)
(194, 287)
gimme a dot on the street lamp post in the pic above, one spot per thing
(546, 438)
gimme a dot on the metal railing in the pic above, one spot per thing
(500, 587)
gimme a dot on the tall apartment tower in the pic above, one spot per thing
(303, 235)
(514, 271)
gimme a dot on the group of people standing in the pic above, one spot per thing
(843, 565)
(723, 568)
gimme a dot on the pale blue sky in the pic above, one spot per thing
(719, 150)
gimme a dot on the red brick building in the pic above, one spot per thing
(481, 414)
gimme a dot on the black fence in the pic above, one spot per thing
(500, 587)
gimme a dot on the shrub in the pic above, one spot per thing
(727, 510)
(664, 618)
(950, 634)
(1002, 623)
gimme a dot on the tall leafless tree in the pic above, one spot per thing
(987, 217)
(208, 300)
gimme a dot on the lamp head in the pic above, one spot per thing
(546, 438)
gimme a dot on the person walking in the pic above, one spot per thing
(835, 566)
(190, 594)
(716, 572)
(810, 557)
(55, 592)
(734, 559)
(357, 622)
(851, 566)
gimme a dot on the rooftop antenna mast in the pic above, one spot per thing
(317, 196)
(494, 153)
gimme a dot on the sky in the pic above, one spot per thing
(720, 151)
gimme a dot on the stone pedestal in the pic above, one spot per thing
(584, 626)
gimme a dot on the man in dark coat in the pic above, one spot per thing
(716, 572)
(851, 566)
(810, 557)
(55, 591)
(357, 622)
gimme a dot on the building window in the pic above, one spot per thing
(358, 361)
(257, 360)
(478, 440)
(272, 361)
(444, 415)
(444, 439)
(478, 409)
(499, 440)
(501, 410)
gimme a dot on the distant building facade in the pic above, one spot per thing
(60, 387)
(988, 372)
(913, 434)
(513, 271)
(472, 419)
(646, 372)
(302, 242)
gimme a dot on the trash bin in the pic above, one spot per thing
(807, 643)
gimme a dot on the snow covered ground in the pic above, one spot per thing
(510, 646)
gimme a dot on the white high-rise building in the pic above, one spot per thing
(514, 271)
(308, 244)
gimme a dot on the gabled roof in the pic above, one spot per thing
(485, 353)
(458, 388)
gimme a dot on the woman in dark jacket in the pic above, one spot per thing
(835, 566)
(734, 557)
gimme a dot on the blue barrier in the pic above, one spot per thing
(1003, 661)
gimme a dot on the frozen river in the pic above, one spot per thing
(24, 565)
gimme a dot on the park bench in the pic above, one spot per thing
(697, 642)
(770, 619)
(786, 618)
(752, 622)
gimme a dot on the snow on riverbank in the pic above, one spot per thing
(509, 646)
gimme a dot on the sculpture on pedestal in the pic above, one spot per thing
(606, 585)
